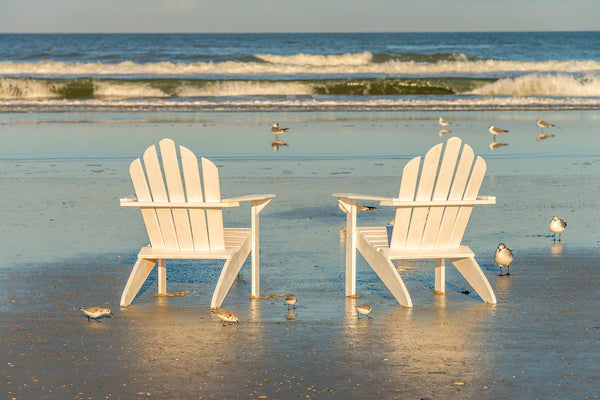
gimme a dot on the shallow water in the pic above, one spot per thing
(66, 243)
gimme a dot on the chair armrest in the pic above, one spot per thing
(443, 203)
(251, 197)
(354, 196)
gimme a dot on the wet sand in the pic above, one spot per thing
(66, 244)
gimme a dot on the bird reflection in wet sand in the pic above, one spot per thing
(543, 136)
(495, 144)
(226, 316)
(443, 132)
(276, 144)
(290, 315)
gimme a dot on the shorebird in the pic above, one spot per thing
(364, 309)
(443, 122)
(276, 129)
(543, 124)
(494, 131)
(290, 300)
(557, 225)
(362, 207)
(503, 257)
(226, 317)
(96, 312)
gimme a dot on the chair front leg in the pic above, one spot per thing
(349, 207)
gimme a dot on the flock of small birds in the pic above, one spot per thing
(494, 130)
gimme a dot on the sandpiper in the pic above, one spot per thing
(226, 316)
(495, 131)
(364, 309)
(276, 129)
(503, 257)
(443, 122)
(557, 225)
(96, 312)
(543, 124)
(290, 300)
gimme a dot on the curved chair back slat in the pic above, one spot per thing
(450, 175)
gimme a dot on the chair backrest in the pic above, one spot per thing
(198, 229)
(438, 178)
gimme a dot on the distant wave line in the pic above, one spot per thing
(293, 65)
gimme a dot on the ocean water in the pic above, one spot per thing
(266, 72)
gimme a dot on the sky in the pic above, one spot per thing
(117, 16)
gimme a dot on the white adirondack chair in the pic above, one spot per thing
(184, 223)
(432, 211)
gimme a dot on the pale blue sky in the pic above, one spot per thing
(297, 15)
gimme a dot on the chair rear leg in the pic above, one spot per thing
(138, 276)
(469, 268)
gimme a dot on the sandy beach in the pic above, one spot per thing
(66, 243)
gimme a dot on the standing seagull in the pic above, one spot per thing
(290, 300)
(443, 122)
(494, 131)
(276, 129)
(557, 225)
(364, 309)
(543, 124)
(503, 257)
(95, 312)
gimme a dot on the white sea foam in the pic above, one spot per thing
(319, 60)
(543, 85)
(312, 103)
(300, 64)
(245, 88)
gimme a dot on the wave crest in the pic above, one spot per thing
(543, 85)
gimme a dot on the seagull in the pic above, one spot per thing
(494, 131)
(276, 129)
(503, 257)
(96, 312)
(443, 122)
(290, 300)
(543, 124)
(362, 207)
(226, 316)
(557, 225)
(364, 309)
